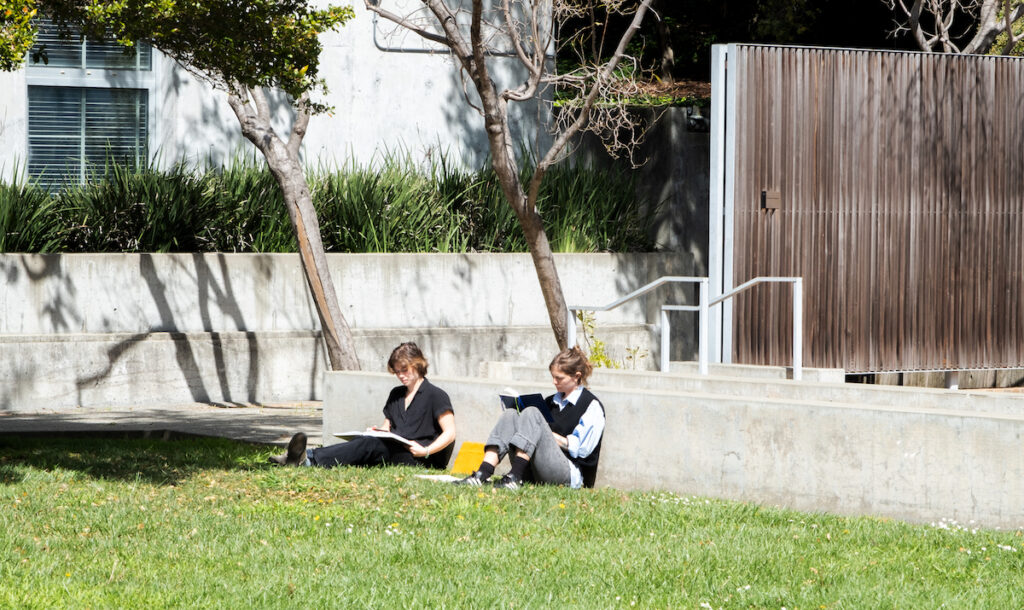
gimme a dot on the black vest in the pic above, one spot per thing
(565, 421)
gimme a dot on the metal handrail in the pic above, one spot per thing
(703, 281)
(798, 313)
(703, 308)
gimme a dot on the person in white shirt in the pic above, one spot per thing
(564, 451)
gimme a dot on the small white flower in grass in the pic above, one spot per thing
(1006, 548)
(706, 605)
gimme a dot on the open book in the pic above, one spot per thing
(511, 400)
(375, 433)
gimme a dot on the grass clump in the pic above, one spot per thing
(137, 523)
(396, 207)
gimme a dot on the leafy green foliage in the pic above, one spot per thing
(207, 523)
(396, 208)
(254, 43)
(16, 32)
(30, 220)
(1017, 27)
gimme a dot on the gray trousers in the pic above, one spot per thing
(529, 432)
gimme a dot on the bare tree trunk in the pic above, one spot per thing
(547, 274)
(506, 168)
(283, 161)
(668, 55)
(531, 34)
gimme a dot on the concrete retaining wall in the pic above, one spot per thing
(913, 464)
(123, 329)
(746, 380)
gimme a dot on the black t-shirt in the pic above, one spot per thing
(420, 421)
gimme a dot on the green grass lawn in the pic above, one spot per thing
(206, 523)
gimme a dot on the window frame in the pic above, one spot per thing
(42, 75)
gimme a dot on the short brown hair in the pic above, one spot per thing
(407, 355)
(572, 361)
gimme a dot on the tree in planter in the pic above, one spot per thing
(245, 49)
(526, 30)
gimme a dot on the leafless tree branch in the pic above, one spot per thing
(933, 23)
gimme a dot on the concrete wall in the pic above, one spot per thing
(674, 174)
(913, 464)
(99, 330)
(103, 293)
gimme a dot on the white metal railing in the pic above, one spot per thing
(703, 308)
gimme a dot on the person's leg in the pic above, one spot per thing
(400, 456)
(497, 442)
(531, 429)
(537, 450)
(495, 448)
(549, 463)
(296, 453)
(362, 451)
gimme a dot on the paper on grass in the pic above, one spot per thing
(442, 478)
(375, 433)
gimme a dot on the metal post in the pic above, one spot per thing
(703, 319)
(570, 329)
(666, 330)
(798, 328)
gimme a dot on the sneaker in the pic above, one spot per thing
(509, 481)
(474, 480)
(296, 454)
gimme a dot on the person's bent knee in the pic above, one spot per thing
(533, 413)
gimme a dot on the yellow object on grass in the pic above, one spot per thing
(468, 458)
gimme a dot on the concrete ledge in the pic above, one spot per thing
(1006, 403)
(760, 371)
(914, 464)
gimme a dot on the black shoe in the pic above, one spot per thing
(474, 480)
(296, 452)
(509, 481)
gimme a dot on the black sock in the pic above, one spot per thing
(519, 465)
(486, 469)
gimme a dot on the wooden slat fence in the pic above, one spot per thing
(900, 185)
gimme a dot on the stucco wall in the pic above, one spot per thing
(398, 100)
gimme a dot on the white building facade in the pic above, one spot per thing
(391, 93)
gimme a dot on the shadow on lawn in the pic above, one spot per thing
(155, 456)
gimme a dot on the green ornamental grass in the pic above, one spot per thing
(397, 206)
(134, 523)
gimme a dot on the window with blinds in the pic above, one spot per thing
(77, 122)
(71, 51)
(75, 131)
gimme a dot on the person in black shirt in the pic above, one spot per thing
(416, 410)
(564, 451)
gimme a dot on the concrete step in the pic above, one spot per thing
(760, 372)
(973, 401)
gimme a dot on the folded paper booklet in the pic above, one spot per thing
(521, 401)
(377, 433)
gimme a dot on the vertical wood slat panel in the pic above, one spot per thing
(902, 207)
